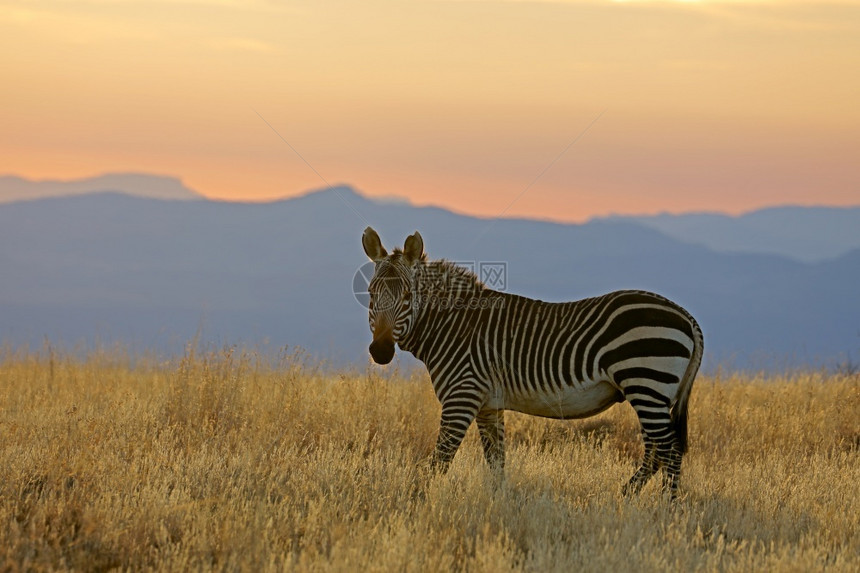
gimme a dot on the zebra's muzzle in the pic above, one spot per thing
(382, 350)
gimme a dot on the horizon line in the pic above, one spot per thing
(387, 199)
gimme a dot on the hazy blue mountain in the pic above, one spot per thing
(13, 188)
(151, 272)
(807, 234)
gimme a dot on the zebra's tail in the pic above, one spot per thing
(679, 410)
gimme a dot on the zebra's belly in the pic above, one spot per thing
(565, 403)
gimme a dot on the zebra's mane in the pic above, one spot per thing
(450, 272)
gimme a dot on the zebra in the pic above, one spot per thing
(488, 351)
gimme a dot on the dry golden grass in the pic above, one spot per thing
(224, 461)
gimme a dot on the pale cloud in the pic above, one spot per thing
(242, 44)
(57, 23)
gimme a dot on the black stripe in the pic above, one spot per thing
(643, 403)
(648, 373)
(553, 348)
(642, 349)
(526, 343)
(646, 414)
(646, 391)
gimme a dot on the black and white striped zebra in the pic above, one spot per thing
(490, 351)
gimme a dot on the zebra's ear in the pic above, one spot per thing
(413, 248)
(372, 245)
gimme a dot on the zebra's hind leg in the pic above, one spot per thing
(669, 455)
(658, 433)
(491, 425)
(650, 465)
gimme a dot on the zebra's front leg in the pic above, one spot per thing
(458, 412)
(491, 425)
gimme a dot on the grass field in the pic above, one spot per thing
(226, 461)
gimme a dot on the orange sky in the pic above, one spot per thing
(717, 105)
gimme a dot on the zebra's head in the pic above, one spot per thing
(390, 292)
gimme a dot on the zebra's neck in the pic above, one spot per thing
(441, 290)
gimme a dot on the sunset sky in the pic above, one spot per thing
(709, 105)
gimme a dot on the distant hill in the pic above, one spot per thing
(151, 272)
(807, 234)
(14, 188)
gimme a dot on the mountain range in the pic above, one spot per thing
(151, 272)
(14, 188)
(808, 234)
